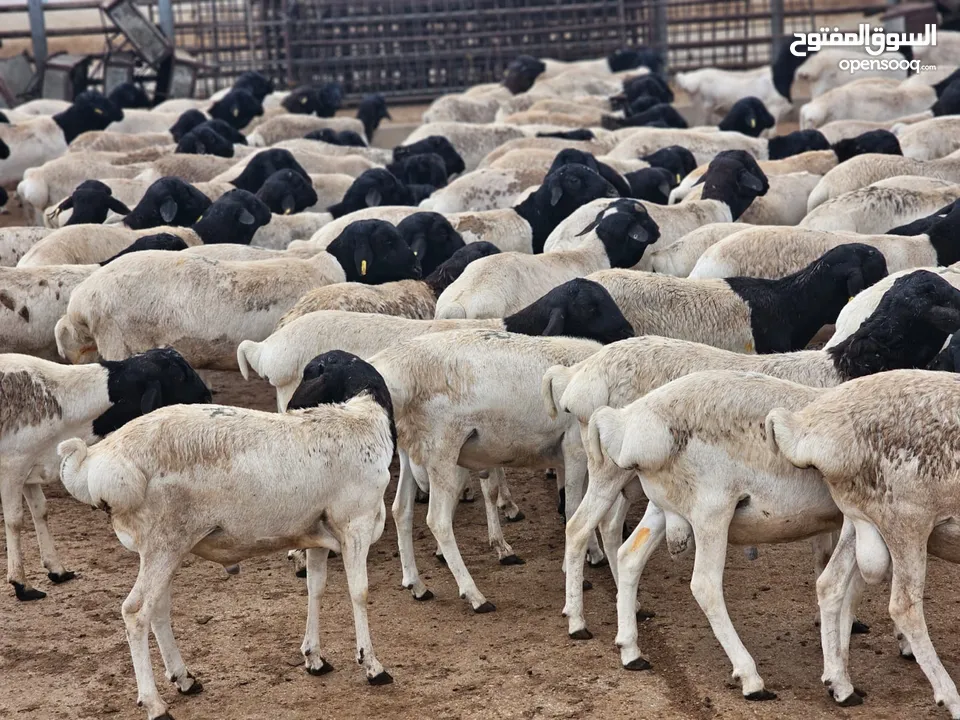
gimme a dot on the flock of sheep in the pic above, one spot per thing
(554, 272)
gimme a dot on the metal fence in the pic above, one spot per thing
(417, 49)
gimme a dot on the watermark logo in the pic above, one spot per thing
(874, 43)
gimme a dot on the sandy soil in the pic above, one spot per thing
(66, 656)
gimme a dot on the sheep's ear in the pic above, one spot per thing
(168, 210)
(855, 282)
(373, 197)
(555, 323)
(638, 233)
(556, 192)
(944, 318)
(750, 181)
(665, 188)
(152, 398)
(419, 245)
(781, 432)
(288, 204)
(245, 217)
(117, 206)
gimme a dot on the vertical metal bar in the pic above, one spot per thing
(165, 13)
(38, 32)
(776, 26)
(285, 17)
(660, 40)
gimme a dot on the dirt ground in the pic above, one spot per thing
(66, 656)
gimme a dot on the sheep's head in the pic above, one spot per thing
(286, 192)
(186, 122)
(373, 252)
(734, 178)
(303, 100)
(522, 73)
(652, 84)
(423, 169)
(675, 158)
(129, 95)
(203, 140)
(625, 229)
(875, 141)
(374, 187)
(578, 308)
(264, 164)
(237, 107)
(948, 101)
(431, 237)
(142, 383)
(91, 201)
(168, 201)
(159, 241)
(579, 135)
(445, 274)
(784, 67)
(254, 83)
(572, 156)
(799, 141)
(748, 116)
(372, 109)
(233, 218)
(90, 111)
(433, 144)
(563, 191)
(652, 184)
(226, 130)
(855, 265)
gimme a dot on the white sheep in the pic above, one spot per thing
(16, 241)
(602, 144)
(90, 244)
(680, 257)
(490, 188)
(822, 71)
(145, 475)
(290, 127)
(472, 142)
(715, 91)
(867, 99)
(784, 203)
(837, 130)
(704, 145)
(930, 139)
(460, 108)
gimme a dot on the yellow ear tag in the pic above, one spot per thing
(287, 211)
(200, 218)
(303, 101)
(678, 178)
(753, 122)
(749, 347)
(851, 299)
(236, 112)
(98, 111)
(363, 267)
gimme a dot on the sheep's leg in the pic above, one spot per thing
(175, 667)
(37, 503)
(574, 475)
(909, 560)
(632, 557)
(316, 583)
(599, 499)
(153, 582)
(11, 502)
(835, 598)
(445, 485)
(611, 531)
(710, 536)
(494, 532)
(403, 518)
(355, 547)
(505, 501)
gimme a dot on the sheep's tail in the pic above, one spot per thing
(118, 485)
(248, 356)
(34, 192)
(74, 339)
(554, 382)
(452, 311)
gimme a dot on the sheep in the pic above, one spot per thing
(601, 145)
(772, 253)
(371, 111)
(322, 100)
(458, 108)
(502, 284)
(145, 476)
(473, 142)
(204, 307)
(733, 182)
(289, 127)
(679, 258)
(16, 241)
(378, 156)
(746, 314)
(784, 203)
(866, 169)
(882, 205)
(838, 130)
(286, 191)
(906, 332)
(867, 99)
(90, 203)
(896, 488)
(522, 228)
(41, 139)
(442, 402)
(431, 145)
(44, 403)
(235, 217)
(822, 72)
(405, 298)
(704, 145)
(930, 139)
(699, 454)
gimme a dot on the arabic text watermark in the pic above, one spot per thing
(874, 43)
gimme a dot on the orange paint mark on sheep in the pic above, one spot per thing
(640, 539)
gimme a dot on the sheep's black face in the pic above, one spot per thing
(444, 275)
(303, 100)
(160, 241)
(286, 192)
(4, 120)
(373, 188)
(735, 178)
(948, 101)
(661, 115)
(625, 229)
(431, 237)
(433, 144)
(580, 134)
(949, 358)
(572, 156)
(748, 116)
(857, 265)
(372, 252)
(226, 130)
(263, 165)
(3, 198)
(330, 99)
(327, 135)
(652, 85)
(93, 111)
(652, 184)
(678, 160)
(168, 201)
(578, 308)
(522, 73)
(424, 169)
(237, 108)
(799, 141)
(784, 67)
(569, 188)
(142, 383)
(254, 83)
(372, 109)
(128, 95)
(205, 141)
(623, 59)
(874, 141)
(187, 122)
(350, 138)
(4, 150)
(233, 218)
(91, 202)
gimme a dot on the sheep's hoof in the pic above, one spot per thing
(427, 595)
(602, 562)
(851, 701)
(581, 634)
(232, 569)
(861, 693)
(381, 678)
(516, 518)
(58, 578)
(587, 585)
(25, 595)
(760, 695)
(194, 689)
(487, 607)
(908, 657)
(302, 573)
(638, 664)
(322, 670)
(512, 560)
(165, 716)
(551, 474)
(860, 628)
(421, 498)
(441, 559)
